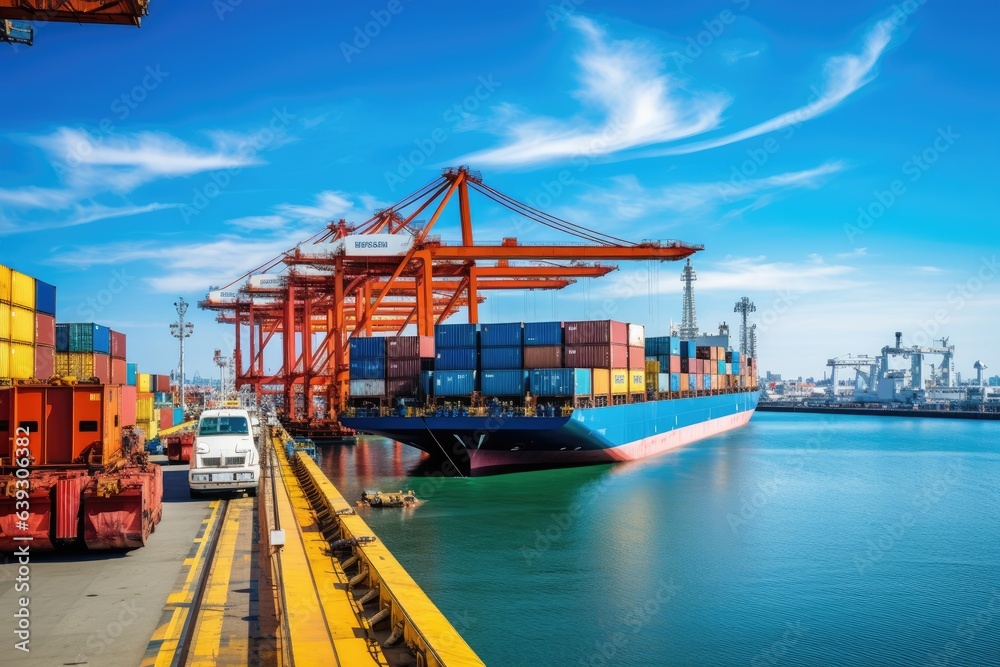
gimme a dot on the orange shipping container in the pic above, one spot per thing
(63, 423)
(602, 381)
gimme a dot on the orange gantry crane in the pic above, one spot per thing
(118, 12)
(390, 273)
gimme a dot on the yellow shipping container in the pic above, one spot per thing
(144, 407)
(4, 283)
(22, 361)
(22, 325)
(22, 290)
(4, 359)
(143, 383)
(149, 426)
(602, 381)
(653, 381)
(652, 366)
(636, 382)
(4, 321)
(619, 380)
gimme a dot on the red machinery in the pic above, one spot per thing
(179, 447)
(80, 472)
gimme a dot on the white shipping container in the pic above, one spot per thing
(223, 296)
(636, 335)
(266, 281)
(377, 245)
(367, 387)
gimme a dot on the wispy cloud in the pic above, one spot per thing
(843, 74)
(642, 106)
(259, 222)
(857, 252)
(734, 56)
(82, 214)
(624, 82)
(330, 205)
(629, 200)
(120, 163)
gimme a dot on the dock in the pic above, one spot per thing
(291, 577)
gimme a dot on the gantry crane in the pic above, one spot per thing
(16, 15)
(389, 273)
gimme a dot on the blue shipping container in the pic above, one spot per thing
(455, 335)
(504, 383)
(688, 349)
(454, 383)
(722, 367)
(664, 363)
(456, 358)
(706, 381)
(560, 382)
(657, 346)
(178, 416)
(426, 384)
(509, 334)
(45, 298)
(692, 382)
(543, 333)
(62, 338)
(736, 368)
(499, 358)
(371, 347)
(675, 382)
(131, 374)
(736, 356)
(367, 368)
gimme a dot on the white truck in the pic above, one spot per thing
(225, 453)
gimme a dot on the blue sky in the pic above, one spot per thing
(835, 160)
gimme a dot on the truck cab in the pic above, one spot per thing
(225, 453)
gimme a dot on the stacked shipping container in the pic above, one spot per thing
(27, 319)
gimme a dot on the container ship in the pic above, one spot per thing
(497, 398)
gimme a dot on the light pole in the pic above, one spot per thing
(181, 329)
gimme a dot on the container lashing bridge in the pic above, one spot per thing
(388, 273)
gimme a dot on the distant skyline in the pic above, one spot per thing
(835, 160)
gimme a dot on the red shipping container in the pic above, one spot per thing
(636, 358)
(119, 369)
(166, 418)
(675, 364)
(402, 368)
(45, 362)
(127, 410)
(45, 330)
(592, 332)
(118, 346)
(595, 356)
(409, 347)
(401, 386)
(162, 383)
(102, 367)
(543, 356)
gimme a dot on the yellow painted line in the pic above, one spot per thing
(207, 647)
(309, 642)
(426, 626)
(166, 638)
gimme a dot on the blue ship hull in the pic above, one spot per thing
(490, 445)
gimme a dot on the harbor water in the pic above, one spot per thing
(797, 540)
